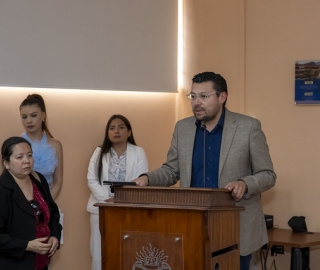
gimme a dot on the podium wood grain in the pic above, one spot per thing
(209, 234)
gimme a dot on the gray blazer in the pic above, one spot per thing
(244, 155)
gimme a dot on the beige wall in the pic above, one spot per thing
(254, 45)
(78, 120)
(278, 34)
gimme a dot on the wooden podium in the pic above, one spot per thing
(170, 228)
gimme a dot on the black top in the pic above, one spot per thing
(18, 222)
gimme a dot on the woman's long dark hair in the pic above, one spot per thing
(107, 144)
(36, 99)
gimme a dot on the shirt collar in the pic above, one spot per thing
(113, 153)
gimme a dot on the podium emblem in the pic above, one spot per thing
(151, 258)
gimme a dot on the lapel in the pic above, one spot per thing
(105, 166)
(229, 129)
(39, 183)
(130, 162)
(18, 196)
(189, 134)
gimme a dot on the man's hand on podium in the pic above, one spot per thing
(142, 181)
(238, 188)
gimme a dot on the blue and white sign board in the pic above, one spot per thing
(307, 82)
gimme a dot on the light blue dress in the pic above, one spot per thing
(45, 157)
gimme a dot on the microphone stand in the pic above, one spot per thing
(204, 150)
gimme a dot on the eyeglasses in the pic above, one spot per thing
(203, 96)
(39, 214)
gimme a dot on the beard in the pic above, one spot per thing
(207, 116)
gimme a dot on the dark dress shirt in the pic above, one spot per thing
(211, 142)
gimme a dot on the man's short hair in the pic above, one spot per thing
(219, 83)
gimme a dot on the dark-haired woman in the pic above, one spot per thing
(47, 151)
(118, 159)
(29, 218)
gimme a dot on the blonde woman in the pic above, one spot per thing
(47, 151)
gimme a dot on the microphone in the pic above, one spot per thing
(203, 126)
(204, 121)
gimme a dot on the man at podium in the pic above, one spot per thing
(217, 148)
